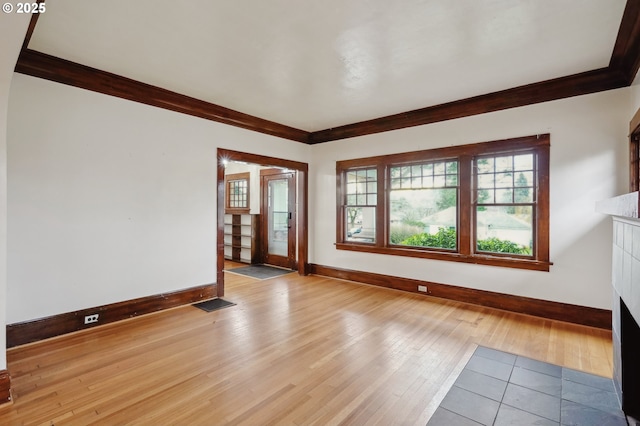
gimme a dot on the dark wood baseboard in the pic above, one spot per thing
(5, 387)
(56, 325)
(583, 315)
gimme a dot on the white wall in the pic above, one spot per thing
(588, 163)
(12, 31)
(110, 200)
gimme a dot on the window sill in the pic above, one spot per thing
(237, 211)
(480, 259)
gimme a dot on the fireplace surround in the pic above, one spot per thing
(625, 279)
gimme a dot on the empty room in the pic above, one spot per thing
(311, 213)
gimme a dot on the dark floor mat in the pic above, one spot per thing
(213, 305)
(261, 272)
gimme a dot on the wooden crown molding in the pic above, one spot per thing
(622, 69)
(558, 88)
(52, 68)
(32, 26)
(625, 58)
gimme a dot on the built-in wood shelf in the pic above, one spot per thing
(241, 237)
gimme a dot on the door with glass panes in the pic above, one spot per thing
(278, 203)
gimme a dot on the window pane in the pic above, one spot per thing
(524, 179)
(361, 187)
(360, 224)
(424, 218)
(237, 190)
(523, 162)
(523, 195)
(505, 229)
(510, 186)
(504, 164)
(486, 196)
(504, 195)
(438, 168)
(485, 181)
(452, 180)
(485, 165)
(452, 167)
(504, 180)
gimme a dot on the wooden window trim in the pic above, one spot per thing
(634, 153)
(539, 260)
(235, 177)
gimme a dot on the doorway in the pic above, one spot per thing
(278, 214)
(295, 174)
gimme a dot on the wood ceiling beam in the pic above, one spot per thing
(52, 68)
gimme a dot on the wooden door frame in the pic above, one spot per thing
(302, 229)
(264, 230)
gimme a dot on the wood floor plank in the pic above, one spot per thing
(294, 350)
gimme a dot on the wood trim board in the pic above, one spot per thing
(56, 325)
(5, 387)
(582, 315)
(625, 57)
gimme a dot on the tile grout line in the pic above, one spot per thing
(562, 378)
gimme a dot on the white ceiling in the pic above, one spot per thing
(314, 65)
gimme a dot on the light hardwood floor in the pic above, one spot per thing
(295, 350)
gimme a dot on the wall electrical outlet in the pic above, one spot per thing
(422, 288)
(89, 319)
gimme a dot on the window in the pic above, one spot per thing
(360, 205)
(421, 191)
(237, 193)
(504, 206)
(484, 203)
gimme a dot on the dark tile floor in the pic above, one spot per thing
(497, 388)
